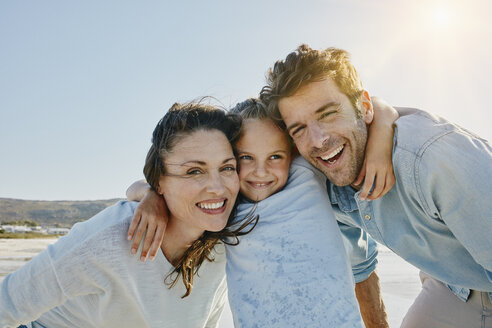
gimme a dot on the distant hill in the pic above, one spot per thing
(51, 213)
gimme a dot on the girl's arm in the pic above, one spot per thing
(377, 169)
(150, 219)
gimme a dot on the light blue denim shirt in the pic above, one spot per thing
(438, 214)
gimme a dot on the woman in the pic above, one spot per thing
(88, 279)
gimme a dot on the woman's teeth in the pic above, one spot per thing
(211, 206)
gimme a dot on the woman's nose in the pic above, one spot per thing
(215, 184)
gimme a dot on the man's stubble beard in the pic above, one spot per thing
(347, 174)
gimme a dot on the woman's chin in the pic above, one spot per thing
(217, 227)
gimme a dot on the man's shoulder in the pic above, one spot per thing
(418, 129)
(416, 132)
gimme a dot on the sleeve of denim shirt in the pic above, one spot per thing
(361, 250)
(454, 174)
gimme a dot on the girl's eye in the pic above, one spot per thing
(275, 157)
(245, 157)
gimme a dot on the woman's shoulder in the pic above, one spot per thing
(108, 226)
(112, 218)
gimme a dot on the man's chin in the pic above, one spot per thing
(342, 183)
(340, 179)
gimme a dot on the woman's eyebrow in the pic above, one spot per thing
(204, 163)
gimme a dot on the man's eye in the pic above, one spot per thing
(326, 114)
(245, 157)
(296, 131)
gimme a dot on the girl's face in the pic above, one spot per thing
(201, 183)
(264, 155)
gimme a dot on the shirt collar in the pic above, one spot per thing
(344, 197)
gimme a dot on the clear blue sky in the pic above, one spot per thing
(83, 83)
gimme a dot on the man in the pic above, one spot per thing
(437, 214)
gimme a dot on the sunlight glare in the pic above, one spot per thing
(442, 16)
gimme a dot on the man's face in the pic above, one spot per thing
(326, 130)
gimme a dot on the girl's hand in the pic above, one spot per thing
(377, 169)
(150, 219)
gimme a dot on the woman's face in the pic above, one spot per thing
(201, 182)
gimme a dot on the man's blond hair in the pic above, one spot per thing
(306, 65)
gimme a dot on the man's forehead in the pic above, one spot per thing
(308, 102)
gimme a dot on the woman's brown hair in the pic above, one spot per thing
(179, 121)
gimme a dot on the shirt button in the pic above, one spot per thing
(367, 217)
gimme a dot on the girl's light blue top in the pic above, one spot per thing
(292, 269)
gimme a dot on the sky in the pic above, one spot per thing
(83, 83)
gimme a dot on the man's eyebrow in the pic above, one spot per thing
(327, 106)
(292, 126)
(321, 109)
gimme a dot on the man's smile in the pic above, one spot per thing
(333, 155)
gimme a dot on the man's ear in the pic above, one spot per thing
(366, 108)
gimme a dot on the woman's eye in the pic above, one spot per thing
(245, 157)
(194, 172)
(229, 168)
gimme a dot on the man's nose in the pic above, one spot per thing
(317, 136)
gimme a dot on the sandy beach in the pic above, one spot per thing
(399, 280)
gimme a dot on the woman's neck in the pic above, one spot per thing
(178, 237)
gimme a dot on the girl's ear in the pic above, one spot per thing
(294, 153)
